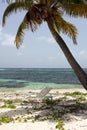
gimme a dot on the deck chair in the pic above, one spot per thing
(38, 100)
(44, 93)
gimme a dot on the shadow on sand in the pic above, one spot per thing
(49, 109)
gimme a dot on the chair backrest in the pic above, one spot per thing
(43, 92)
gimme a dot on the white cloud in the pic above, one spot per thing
(20, 53)
(41, 38)
(46, 39)
(52, 58)
(0, 28)
(6, 39)
(82, 58)
(0, 32)
(83, 53)
(51, 40)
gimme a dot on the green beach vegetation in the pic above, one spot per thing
(59, 110)
(60, 125)
(8, 104)
(5, 119)
(51, 12)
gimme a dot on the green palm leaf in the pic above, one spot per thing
(13, 7)
(65, 27)
(44, 9)
(75, 10)
(19, 35)
(71, 1)
(26, 24)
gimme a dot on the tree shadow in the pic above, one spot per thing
(54, 110)
(50, 109)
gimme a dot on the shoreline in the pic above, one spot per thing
(43, 85)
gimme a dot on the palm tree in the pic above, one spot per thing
(51, 12)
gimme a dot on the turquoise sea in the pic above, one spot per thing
(38, 78)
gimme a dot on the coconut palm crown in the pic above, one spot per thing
(38, 11)
(52, 12)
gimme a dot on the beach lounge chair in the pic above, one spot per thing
(38, 100)
(44, 93)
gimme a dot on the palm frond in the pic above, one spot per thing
(65, 27)
(42, 1)
(13, 7)
(19, 35)
(36, 13)
(70, 30)
(75, 10)
(70, 1)
(27, 23)
(46, 2)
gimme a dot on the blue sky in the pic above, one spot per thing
(39, 49)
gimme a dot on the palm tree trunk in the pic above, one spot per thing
(82, 76)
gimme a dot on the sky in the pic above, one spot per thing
(39, 49)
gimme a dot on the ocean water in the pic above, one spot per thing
(38, 78)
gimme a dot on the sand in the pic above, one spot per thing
(34, 114)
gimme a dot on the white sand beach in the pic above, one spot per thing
(21, 110)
